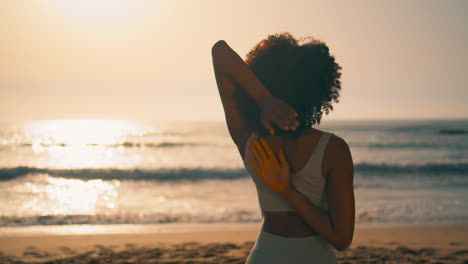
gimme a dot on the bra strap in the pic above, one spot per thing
(322, 145)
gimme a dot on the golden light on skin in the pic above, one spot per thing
(100, 12)
(83, 143)
(71, 196)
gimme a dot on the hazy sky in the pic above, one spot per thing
(151, 60)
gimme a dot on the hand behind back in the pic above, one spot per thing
(273, 171)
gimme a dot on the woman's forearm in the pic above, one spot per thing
(228, 62)
(317, 218)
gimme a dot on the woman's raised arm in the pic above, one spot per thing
(229, 69)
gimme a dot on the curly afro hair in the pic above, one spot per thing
(305, 76)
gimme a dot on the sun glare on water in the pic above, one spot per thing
(75, 144)
(71, 196)
(83, 143)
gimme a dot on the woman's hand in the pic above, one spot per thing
(274, 110)
(274, 172)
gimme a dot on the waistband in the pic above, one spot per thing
(291, 239)
(311, 248)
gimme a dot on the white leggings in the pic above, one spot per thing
(274, 249)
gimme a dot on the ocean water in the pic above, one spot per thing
(65, 172)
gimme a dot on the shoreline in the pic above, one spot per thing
(450, 242)
(172, 227)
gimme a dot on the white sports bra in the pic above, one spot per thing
(308, 181)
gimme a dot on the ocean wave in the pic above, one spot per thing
(158, 145)
(418, 212)
(413, 145)
(453, 131)
(409, 145)
(428, 168)
(195, 174)
(242, 216)
(169, 144)
(123, 144)
(128, 174)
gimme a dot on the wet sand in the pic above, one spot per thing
(429, 244)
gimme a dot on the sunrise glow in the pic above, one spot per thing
(100, 12)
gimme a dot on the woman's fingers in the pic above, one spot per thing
(292, 112)
(291, 115)
(291, 121)
(281, 120)
(282, 158)
(284, 119)
(255, 153)
(267, 125)
(278, 112)
(259, 169)
(254, 165)
(268, 150)
(287, 108)
(260, 150)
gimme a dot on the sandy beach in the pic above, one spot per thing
(415, 244)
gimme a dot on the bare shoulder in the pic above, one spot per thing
(337, 143)
(337, 154)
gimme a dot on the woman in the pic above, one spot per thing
(303, 176)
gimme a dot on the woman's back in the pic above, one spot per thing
(285, 86)
(305, 156)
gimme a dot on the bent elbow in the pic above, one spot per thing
(343, 244)
(215, 48)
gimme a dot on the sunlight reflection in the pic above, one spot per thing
(83, 131)
(72, 196)
(84, 143)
